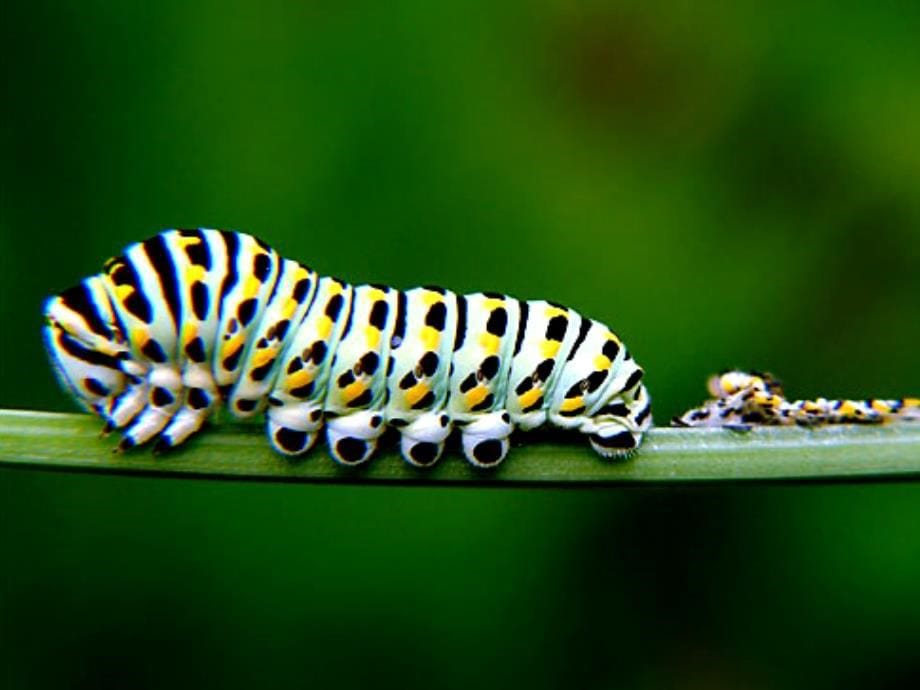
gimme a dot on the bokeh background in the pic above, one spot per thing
(725, 185)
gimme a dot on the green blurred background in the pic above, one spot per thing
(723, 185)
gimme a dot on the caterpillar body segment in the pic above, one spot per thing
(190, 320)
(742, 399)
(296, 401)
(355, 395)
(290, 298)
(418, 371)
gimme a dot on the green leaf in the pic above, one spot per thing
(51, 441)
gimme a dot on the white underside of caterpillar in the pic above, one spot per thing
(193, 319)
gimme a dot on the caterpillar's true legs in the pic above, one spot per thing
(128, 405)
(164, 386)
(200, 399)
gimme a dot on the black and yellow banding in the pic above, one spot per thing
(741, 400)
(193, 319)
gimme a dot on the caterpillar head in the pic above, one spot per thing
(85, 344)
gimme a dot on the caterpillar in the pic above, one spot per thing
(192, 320)
(742, 399)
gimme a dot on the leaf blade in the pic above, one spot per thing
(70, 442)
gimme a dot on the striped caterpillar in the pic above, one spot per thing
(190, 320)
(741, 399)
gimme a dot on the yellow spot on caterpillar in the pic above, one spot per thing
(767, 400)
(549, 348)
(122, 292)
(335, 288)
(726, 386)
(234, 343)
(847, 408)
(416, 393)
(187, 241)
(880, 406)
(490, 343)
(613, 336)
(475, 396)
(552, 311)
(263, 356)
(530, 397)
(289, 308)
(493, 303)
(570, 404)
(299, 378)
(195, 273)
(911, 402)
(430, 297)
(139, 337)
(353, 390)
(232, 346)
(375, 294)
(251, 288)
(430, 337)
(324, 327)
(372, 334)
(602, 362)
(189, 332)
